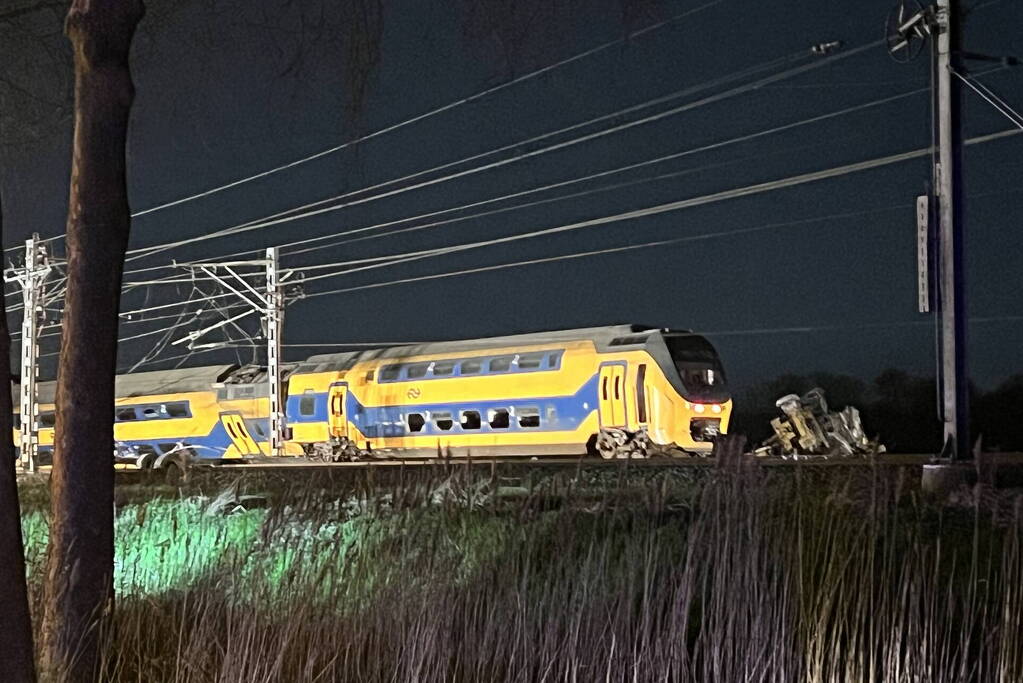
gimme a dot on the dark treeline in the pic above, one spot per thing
(897, 407)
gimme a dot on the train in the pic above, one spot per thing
(617, 391)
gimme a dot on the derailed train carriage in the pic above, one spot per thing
(620, 391)
(173, 418)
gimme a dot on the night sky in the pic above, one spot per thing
(226, 90)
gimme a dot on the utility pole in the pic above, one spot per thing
(269, 306)
(274, 320)
(31, 279)
(948, 184)
(909, 27)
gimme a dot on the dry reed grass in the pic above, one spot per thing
(738, 575)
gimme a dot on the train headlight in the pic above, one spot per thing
(698, 407)
(716, 408)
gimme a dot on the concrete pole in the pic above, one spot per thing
(948, 184)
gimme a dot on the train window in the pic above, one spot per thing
(47, 419)
(554, 360)
(369, 376)
(443, 421)
(530, 361)
(389, 373)
(150, 412)
(471, 366)
(528, 416)
(417, 370)
(307, 405)
(125, 414)
(498, 418)
(501, 363)
(629, 341)
(443, 368)
(641, 393)
(470, 419)
(177, 409)
(416, 421)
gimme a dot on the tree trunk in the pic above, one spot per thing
(15, 622)
(79, 585)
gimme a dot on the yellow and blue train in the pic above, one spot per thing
(614, 391)
(618, 391)
(176, 417)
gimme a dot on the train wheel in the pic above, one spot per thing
(610, 442)
(642, 446)
(172, 473)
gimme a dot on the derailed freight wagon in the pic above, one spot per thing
(615, 391)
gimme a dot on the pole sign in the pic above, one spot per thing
(923, 276)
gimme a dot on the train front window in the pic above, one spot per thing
(699, 368)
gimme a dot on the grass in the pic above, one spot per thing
(726, 575)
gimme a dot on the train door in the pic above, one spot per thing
(611, 393)
(337, 419)
(239, 433)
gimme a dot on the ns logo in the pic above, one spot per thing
(414, 393)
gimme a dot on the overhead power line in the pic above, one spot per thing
(620, 169)
(734, 193)
(433, 112)
(334, 241)
(308, 210)
(661, 208)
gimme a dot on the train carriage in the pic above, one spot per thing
(171, 416)
(615, 391)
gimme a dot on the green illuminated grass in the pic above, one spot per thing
(737, 575)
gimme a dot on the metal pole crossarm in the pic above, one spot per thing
(192, 336)
(259, 304)
(261, 263)
(269, 304)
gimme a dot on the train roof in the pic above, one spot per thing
(181, 380)
(602, 337)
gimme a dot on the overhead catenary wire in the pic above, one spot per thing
(818, 175)
(595, 252)
(307, 210)
(334, 241)
(431, 113)
(620, 169)
(734, 193)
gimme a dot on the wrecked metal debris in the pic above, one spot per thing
(807, 427)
